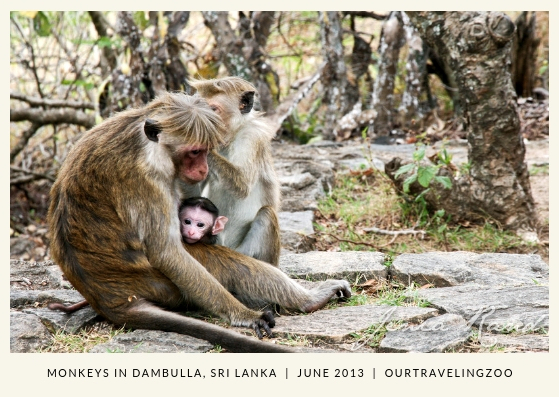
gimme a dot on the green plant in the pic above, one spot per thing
(425, 174)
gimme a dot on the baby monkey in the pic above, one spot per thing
(200, 221)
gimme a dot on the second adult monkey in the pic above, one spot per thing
(200, 221)
(242, 181)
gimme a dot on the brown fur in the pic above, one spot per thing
(114, 231)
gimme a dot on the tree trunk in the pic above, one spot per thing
(334, 74)
(166, 71)
(126, 79)
(108, 55)
(382, 100)
(412, 109)
(242, 53)
(524, 51)
(476, 46)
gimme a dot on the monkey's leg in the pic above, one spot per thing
(263, 238)
(144, 315)
(256, 284)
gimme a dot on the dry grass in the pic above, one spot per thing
(366, 199)
(84, 340)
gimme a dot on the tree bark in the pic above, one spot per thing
(334, 74)
(382, 100)
(126, 80)
(476, 46)
(412, 109)
(524, 51)
(102, 26)
(175, 70)
(243, 53)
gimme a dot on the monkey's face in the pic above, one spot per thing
(227, 109)
(192, 163)
(195, 224)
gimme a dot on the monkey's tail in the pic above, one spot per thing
(144, 315)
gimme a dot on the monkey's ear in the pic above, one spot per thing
(219, 224)
(152, 129)
(247, 102)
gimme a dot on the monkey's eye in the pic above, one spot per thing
(187, 222)
(196, 152)
(200, 225)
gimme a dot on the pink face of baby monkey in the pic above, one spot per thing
(199, 225)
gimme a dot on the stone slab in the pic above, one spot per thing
(147, 341)
(337, 325)
(497, 309)
(354, 266)
(434, 335)
(446, 269)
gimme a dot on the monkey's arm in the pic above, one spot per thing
(238, 179)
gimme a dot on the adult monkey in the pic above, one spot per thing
(242, 182)
(115, 233)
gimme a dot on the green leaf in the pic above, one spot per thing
(409, 180)
(444, 156)
(41, 24)
(425, 175)
(404, 169)
(440, 213)
(444, 180)
(419, 153)
(419, 198)
(441, 228)
(104, 41)
(364, 132)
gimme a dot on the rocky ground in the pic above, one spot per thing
(468, 302)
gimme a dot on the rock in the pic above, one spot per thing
(21, 246)
(296, 222)
(354, 266)
(305, 176)
(294, 229)
(497, 309)
(298, 181)
(513, 343)
(20, 298)
(445, 269)
(145, 341)
(337, 325)
(435, 335)
(56, 320)
(35, 275)
(27, 333)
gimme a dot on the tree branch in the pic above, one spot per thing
(37, 174)
(23, 140)
(366, 14)
(53, 103)
(54, 116)
(287, 106)
(393, 232)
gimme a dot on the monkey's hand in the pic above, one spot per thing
(266, 322)
(324, 292)
(238, 180)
